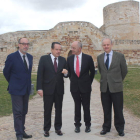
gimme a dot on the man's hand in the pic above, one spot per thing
(64, 71)
(40, 92)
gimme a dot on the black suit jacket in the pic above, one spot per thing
(84, 81)
(47, 78)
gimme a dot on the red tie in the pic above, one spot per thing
(77, 67)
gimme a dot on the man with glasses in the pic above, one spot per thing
(17, 71)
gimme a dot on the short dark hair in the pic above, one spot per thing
(20, 40)
(52, 46)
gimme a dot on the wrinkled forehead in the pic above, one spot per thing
(106, 41)
(57, 46)
(24, 40)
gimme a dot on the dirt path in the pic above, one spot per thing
(34, 121)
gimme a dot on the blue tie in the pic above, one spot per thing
(107, 62)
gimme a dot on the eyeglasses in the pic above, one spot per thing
(24, 44)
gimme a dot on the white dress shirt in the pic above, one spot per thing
(80, 60)
(110, 57)
(52, 57)
(26, 58)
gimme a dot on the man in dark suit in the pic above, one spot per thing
(81, 73)
(50, 85)
(113, 69)
(17, 71)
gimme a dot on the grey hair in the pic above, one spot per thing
(107, 38)
(20, 40)
(80, 45)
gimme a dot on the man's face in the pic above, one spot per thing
(23, 45)
(56, 50)
(107, 46)
(76, 50)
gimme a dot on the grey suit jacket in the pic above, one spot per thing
(115, 75)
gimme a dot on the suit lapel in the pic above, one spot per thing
(50, 62)
(82, 63)
(72, 63)
(59, 68)
(20, 60)
(30, 61)
(114, 58)
(102, 61)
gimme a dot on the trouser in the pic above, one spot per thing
(116, 99)
(48, 103)
(20, 109)
(82, 99)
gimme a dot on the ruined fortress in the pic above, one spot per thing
(121, 23)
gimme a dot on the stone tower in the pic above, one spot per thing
(121, 20)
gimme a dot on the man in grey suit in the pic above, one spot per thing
(113, 69)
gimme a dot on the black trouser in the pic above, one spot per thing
(48, 103)
(20, 109)
(82, 99)
(116, 99)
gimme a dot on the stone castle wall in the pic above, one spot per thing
(65, 33)
(121, 23)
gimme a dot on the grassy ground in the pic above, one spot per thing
(131, 90)
(5, 98)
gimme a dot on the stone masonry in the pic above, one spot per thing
(121, 23)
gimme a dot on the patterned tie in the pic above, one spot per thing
(107, 62)
(77, 67)
(55, 65)
(25, 63)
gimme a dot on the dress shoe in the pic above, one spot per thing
(87, 130)
(26, 136)
(77, 129)
(59, 132)
(19, 138)
(121, 133)
(46, 134)
(103, 132)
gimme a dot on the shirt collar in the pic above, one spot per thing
(52, 56)
(79, 56)
(111, 53)
(21, 54)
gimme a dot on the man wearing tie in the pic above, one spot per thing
(17, 71)
(81, 73)
(113, 69)
(50, 86)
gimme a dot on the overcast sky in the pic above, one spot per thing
(19, 15)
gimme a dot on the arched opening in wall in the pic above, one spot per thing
(70, 53)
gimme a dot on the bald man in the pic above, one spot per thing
(113, 69)
(81, 73)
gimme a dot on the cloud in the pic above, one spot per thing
(50, 5)
(17, 15)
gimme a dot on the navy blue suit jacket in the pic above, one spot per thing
(15, 72)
